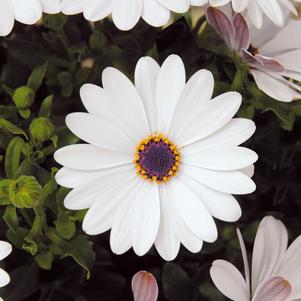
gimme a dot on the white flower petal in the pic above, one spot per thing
(167, 243)
(5, 249)
(234, 182)
(101, 214)
(193, 211)
(146, 218)
(197, 92)
(220, 205)
(4, 278)
(274, 288)
(249, 171)
(98, 132)
(269, 249)
(51, 6)
(178, 6)
(229, 280)
(126, 13)
(210, 118)
(27, 12)
(73, 7)
(272, 87)
(237, 131)
(240, 5)
(170, 84)
(217, 3)
(7, 17)
(146, 74)
(89, 157)
(84, 196)
(226, 159)
(154, 13)
(96, 10)
(125, 97)
(273, 10)
(255, 13)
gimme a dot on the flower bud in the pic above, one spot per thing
(41, 129)
(23, 97)
(25, 192)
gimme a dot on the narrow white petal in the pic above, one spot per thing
(167, 242)
(146, 218)
(197, 93)
(234, 182)
(96, 10)
(51, 6)
(269, 249)
(178, 6)
(170, 85)
(237, 131)
(220, 205)
(5, 249)
(130, 107)
(154, 13)
(221, 159)
(89, 157)
(127, 13)
(27, 12)
(73, 7)
(193, 211)
(146, 74)
(99, 132)
(272, 87)
(240, 5)
(85, 195)
(4, 278)
(255, 13)
(210, 118)
(229, 281)
(273, 10)
(7, 17)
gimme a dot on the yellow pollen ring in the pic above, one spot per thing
(141, 147)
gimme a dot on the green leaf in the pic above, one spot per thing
(8, 89)
(10, 217)
(36, 78)
(44, 260)
(64, 226)
(13, 156)
(10, 127)
(24, 97)
(7, 111)
(79, 248)
(24, 113)
(46, 107)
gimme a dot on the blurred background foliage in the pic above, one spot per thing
(41, 70)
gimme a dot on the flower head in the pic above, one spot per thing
(162, 158)
(275, 10)
(276, 269)
(271, 53)
(5, 250)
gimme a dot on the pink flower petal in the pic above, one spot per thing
(144, 287)
(275, 288)
(242, 33)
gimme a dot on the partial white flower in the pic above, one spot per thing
(5, 250)
(27, 12)
(255, 9)
(51, 6)
(273, 54)
(144, 287)
(276, 269)
(127, 13)
(162, 158)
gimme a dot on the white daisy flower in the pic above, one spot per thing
(255, 9)
(127, 13)
(276, 269)
(162, 158)
(5, 250)
(273, 54)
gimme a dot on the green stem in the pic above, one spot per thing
(241, 72)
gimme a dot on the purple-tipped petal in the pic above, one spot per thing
(250, 59)
(222, 25)
(269, 64)
(242, 33)
(275, 288)
(144, 287)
